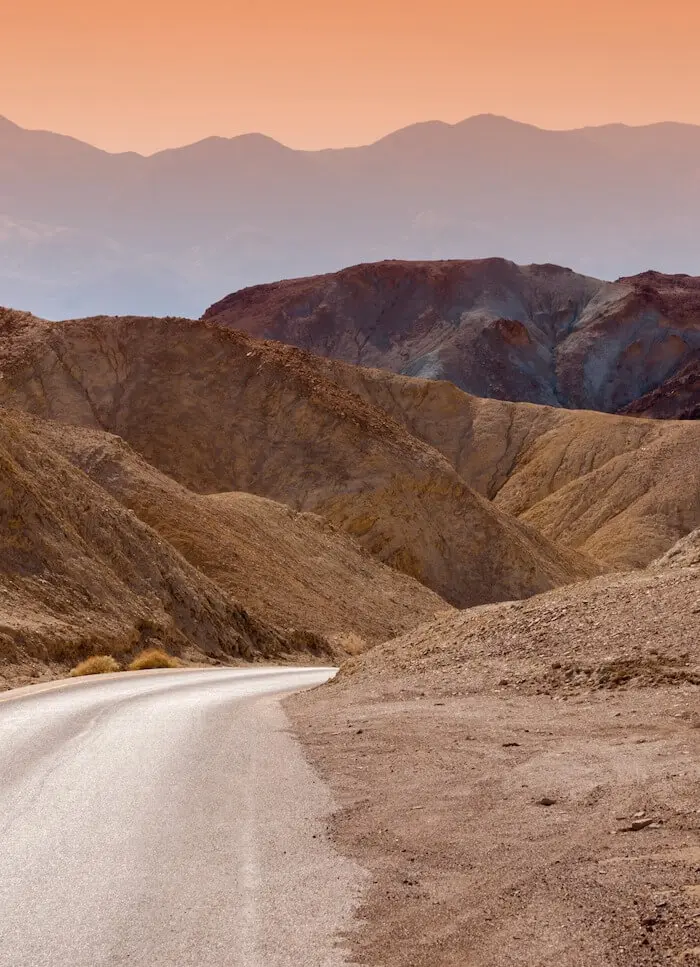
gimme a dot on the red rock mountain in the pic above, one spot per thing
(536, 333)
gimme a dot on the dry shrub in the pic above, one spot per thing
(352, 644)
(154, 658)
(96, 665)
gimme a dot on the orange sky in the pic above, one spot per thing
(148, 74)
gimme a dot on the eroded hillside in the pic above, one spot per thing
(220, 412)
(293, 568)
(621, 489)
(81, 574)
(535, 333)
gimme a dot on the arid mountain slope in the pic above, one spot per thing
(678, 398)
(686, 553)
(621, 489)
(80, 574)
(536, 333)
(293, 569)
(219, 412)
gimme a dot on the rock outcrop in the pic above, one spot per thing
(537, 333)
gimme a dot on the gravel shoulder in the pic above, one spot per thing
(493, 824)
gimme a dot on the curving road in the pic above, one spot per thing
(157, 819)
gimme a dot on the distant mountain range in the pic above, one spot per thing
(83, 231)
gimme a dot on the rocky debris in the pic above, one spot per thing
(614, 633)
(686, 553)
(637, 824)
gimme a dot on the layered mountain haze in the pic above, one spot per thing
(83, 231)
(535, 333)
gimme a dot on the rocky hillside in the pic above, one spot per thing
(537, 333)
(570, 721)
(220, 412)
(621, 489)
(278, 502)
(686, 553)
(295, 569)
(81, 574)
(633, 629)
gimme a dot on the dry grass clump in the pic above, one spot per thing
(154, 658)
(96, 665)
(352, 644)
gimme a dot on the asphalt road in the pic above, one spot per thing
(166, 819)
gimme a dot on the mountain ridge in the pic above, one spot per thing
(474, 120)
(529, 333)
(84, 231)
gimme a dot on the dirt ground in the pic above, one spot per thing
(501, 828)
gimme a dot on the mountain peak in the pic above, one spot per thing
(10, 125)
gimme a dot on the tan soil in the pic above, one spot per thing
(445, 746)
(441, 803)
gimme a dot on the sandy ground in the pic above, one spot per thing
(500, 828)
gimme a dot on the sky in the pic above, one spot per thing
(149, 74)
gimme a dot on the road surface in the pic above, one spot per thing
(157, 819)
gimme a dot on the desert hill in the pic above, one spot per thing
(686, 553)
(219, 412)
(293, 569)
(79, 574)
(84, 231)
(570, 721)
(635, 629)
(534, 333)
(621, 489)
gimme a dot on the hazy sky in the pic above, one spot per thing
(147, 74)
